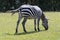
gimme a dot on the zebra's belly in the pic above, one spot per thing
(30, 17)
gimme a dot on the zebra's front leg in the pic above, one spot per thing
(38, 24)
(35, 24)
(23, 24)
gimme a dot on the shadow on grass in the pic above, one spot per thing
(23, 33)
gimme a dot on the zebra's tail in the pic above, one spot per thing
(14, 11)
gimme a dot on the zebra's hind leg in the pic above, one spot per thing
(23, 24)
(19, 19)
(35, 24)
(38, 24)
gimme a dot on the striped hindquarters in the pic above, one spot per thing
(26, 12)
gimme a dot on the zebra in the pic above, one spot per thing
(32, 12)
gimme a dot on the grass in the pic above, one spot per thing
(8, 25)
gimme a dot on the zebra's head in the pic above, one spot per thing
(45, 24)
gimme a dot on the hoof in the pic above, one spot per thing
(35, 30)
(38, 29)
(46, 28)
(25, 31)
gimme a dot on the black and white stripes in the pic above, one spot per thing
(34, 12)
(26, 11)
(31, 11)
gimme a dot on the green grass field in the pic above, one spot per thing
(8, 25)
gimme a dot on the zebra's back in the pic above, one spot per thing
(30, 11)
